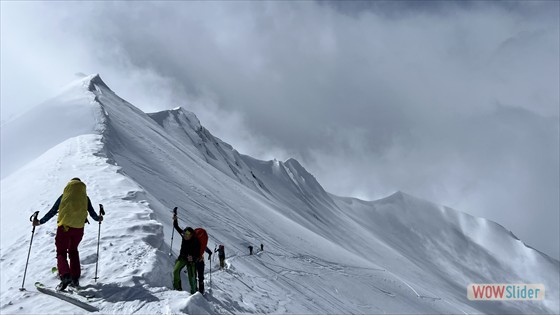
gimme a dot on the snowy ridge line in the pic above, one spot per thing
(327, 253)
(291, 175)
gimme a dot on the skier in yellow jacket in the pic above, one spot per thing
(72, 207)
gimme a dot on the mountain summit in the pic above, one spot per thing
(322, 253)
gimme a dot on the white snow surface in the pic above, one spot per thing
(322, 253)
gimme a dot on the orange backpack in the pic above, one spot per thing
(202, 238)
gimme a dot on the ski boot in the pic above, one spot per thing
(65, 281)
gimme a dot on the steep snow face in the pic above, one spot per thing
(72, 113)
(323, 254)
(444, 248)
(287, 183)
(185, 127)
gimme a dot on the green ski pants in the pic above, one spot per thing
(191, 271)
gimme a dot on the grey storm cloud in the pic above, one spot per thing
(453, 101)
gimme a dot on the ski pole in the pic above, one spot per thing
(31, 218)
(172, 232)
(102, 213)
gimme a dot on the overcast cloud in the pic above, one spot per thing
(455, 102)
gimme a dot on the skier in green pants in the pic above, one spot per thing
(190, 249)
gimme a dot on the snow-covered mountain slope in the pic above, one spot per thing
(444, 248)
(69, 114)
(288, 182)
(323, 253)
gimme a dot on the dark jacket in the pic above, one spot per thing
(188, 247)
(221, 252)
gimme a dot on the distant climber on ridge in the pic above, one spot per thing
(221, 255)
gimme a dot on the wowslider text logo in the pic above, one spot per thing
(511, 292)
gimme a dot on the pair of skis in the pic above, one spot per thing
(73, 296)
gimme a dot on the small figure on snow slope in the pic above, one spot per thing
(222, 256)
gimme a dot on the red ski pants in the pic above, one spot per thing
(67, 247)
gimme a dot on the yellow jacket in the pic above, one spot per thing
(73, 209)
